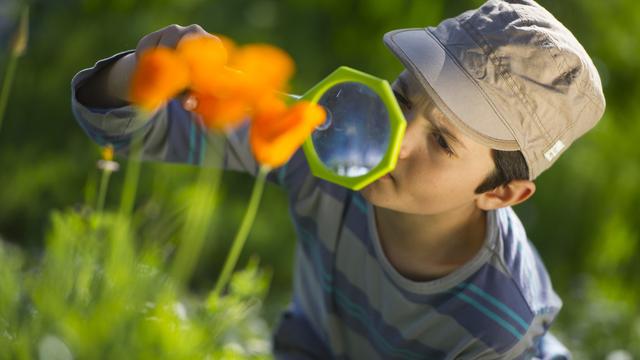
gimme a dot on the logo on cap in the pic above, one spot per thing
(554, 151)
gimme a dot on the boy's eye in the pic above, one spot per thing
(442, 143)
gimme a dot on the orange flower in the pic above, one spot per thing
(228, 85)
(159, 76)
(219, 113)
(267, 66)
(276, 133)
(228, 44)
(205, 55)
(224, 103)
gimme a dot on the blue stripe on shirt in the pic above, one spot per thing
(490, 314)
(358, 313)
(504, 288)
(500, 305)
(501, 301)
(192, 142)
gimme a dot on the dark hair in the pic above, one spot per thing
(510, 165)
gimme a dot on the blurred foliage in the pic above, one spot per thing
(107, 286)
(103, 288)
(91, 296)
(583, 218)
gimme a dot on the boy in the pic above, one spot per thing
(428, 262)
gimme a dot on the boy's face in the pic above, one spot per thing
(438, 168)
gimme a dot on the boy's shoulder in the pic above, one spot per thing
(508, 302)
(521, 261)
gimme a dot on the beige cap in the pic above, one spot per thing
(509, 75)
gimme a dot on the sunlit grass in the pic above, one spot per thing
(103, 290)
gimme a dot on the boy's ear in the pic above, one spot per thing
(513, 193)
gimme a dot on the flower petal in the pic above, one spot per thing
(205, 55)
(228, 44)
(221, 114)
(266, 65)
(159, 75)
(275, 139)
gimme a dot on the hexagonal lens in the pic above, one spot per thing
(355, 136)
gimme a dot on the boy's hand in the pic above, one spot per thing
(168, 36)
(109, 88)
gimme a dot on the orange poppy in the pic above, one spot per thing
(228, 85)
(219, 113)
(223, 102)
(159, 76)
(228, 44)
(276, 134)
(267, 66)
(205, 55)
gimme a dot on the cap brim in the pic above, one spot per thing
(452, 89)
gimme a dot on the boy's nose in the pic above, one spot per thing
(408, 142)
(404, 150)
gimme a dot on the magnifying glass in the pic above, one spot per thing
(360, 138)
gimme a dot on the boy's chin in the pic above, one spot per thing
(376, 199)
(381, 196)
(376, 190)
(368, 193)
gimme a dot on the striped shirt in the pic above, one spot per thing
(349, 302)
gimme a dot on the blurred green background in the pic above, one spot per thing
(583, 219)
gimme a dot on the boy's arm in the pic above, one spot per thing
(109, 87)
(100, 105)
(538, 343)
(550, 348)
(170, 133)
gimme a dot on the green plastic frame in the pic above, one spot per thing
(397, 127)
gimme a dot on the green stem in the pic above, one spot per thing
(102, 192)
(243, 231)
(132, 175)
(121, 252)
(6, 84)
(197, 223)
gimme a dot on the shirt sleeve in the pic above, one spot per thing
(172, 134)
(550, 348)
(539, 344)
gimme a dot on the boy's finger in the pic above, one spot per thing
(149, 41)
(168, 37)
(155, 38)
(193, 29)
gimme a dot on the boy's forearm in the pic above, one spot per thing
(109, 88)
